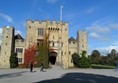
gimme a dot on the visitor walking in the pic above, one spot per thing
(116, 66)
(42, 66)
(50, 65)
(31, 66)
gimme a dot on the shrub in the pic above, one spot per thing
(13, 60)
(82, 62)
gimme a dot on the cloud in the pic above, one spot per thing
(98, 28)
(18, 32)
(51, 1)
(114, 26)
(6, 17)
(94, 35)
(90, 10)
(106, 50)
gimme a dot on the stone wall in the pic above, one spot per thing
(81, 41)
(7, 46)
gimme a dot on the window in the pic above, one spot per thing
(40, 31)
(65, 53)
(52, 44)
(61, 52)
(6, 36)
(62, 44)
(19, 59)
(29, 26)
(82, 46)
(69, 52)
(19, 50)
(6, 44)
(53, 36)
(73, 42)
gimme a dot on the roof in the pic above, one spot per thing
(18, 36)
(71, 39)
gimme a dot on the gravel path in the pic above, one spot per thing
(59, 75)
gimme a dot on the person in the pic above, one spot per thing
(42, 66)
(116, 66)
(50, 66)
(31, 66)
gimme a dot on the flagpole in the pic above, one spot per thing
(61, 12)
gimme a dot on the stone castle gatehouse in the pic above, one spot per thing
(61, 47)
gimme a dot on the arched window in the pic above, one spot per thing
(53, 44)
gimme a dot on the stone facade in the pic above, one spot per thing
(57, 34)
(81, 41)
(58, 38)
(7, 46)
(72, 49)
(19, 48)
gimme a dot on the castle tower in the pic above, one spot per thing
(57, 38)
(81, 41)
(7, 46)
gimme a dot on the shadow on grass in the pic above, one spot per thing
(81, 78)
(10, 75)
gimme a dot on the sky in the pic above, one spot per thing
(98, 17)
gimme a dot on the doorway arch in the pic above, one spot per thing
(52, 57)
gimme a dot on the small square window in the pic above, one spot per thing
(6, 36)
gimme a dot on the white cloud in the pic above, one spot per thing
(18, 32)
(94, 35)
(6, 17)
(114, 26)
(52, 1)
(106, 50)
(90, 10)
(98, 28)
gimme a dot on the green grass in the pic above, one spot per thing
(97, 66)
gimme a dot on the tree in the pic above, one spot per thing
(29, 55)
(43, 51)
(13, 60)
(95, 57)
(82, 62)
(103, 60)
(76, 59)
(112, 57)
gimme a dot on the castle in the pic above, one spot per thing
(61, 47)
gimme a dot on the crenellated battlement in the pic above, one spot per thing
(8, 27)
(54, 22)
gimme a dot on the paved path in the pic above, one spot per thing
(58, 75)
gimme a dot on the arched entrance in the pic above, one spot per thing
(52, 57)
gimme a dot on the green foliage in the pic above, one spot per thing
(82, 62)
(13, 60)
(76, 59)
(103, 60)
(96, 66)
(43, 52)
(95, 57)
(112, 57)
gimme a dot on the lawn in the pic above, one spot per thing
(97, 66)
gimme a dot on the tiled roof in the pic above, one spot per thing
(18, 36)
(71, 39)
